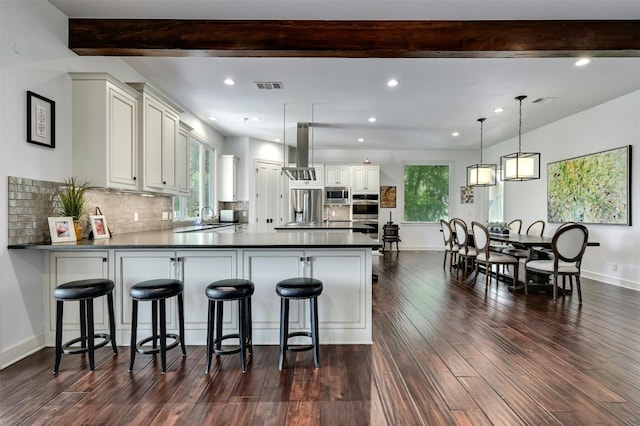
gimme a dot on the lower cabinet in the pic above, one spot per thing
(344, 306)
(65, 266)
(195, 268)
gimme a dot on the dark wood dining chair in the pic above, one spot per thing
(450, 246)
(488, 257)
(466, 252)
(568, 244)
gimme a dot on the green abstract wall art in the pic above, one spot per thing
(591, 189)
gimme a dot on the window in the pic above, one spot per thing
(201, 182)
(426, 193)
(496, 205)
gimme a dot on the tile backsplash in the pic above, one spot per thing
(32, 201)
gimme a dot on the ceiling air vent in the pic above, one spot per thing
(269, 85)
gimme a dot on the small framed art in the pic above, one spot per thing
(99, 227)
(41, 120)
(62, 229)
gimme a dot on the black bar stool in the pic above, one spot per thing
(157, 292)
(227, 290)
(299, 288)
(84, 291)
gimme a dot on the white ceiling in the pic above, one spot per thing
(435, 97)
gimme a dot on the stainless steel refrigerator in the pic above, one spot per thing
(306, 205)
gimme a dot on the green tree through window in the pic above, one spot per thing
(426, 193)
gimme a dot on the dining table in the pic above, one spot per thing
(541, 247)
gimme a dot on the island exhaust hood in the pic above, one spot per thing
(302, 171)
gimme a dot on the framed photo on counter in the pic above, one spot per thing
(99, 227)
(62, 229)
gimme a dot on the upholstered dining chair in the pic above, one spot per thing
(568, 244)
(466, 253)
(450, 246)
(488, 257)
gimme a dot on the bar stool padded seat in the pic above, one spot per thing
(299, 288)
(229, 289)
(83, 289)
(156, 289)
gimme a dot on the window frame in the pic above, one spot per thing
(450, 165)
(183, 200)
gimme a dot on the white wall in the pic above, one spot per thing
(34, 57)
(392, 162)
(610, 125)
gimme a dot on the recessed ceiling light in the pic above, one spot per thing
(229, 81)
(392, 83)
(372, 119)
(277, 139)
(360, 139)
(455, 134)
(213, 118)
(498, 110)
(256, 118)
(582, 62)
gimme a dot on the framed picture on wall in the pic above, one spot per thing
(41, 120)
(61, 229)
(99, 227)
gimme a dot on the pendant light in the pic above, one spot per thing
(481, 174)
(520, 165)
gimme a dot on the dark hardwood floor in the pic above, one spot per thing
(444, 353)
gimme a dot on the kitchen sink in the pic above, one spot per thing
(201, 228)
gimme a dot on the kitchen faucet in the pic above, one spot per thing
(202, 217)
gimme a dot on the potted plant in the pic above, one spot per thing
(72, 198)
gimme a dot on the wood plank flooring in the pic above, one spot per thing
(444, 353)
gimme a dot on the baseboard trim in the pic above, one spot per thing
(21, 350)
(608, 279)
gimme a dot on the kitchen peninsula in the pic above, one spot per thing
(342, 260)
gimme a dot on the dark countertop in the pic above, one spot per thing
(338, 225)
(167, 239)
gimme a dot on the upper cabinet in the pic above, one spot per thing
(337, 175)
(159, 121)
(365, 179)
(105, 131)
(228, 178)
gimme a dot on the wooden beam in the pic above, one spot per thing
(349, 39)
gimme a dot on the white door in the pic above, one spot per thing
(268, 198)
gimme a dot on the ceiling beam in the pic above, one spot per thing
(354, 39)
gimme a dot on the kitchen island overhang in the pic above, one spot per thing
(342, 260)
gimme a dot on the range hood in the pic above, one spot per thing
(301, 171)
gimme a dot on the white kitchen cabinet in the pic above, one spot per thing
(158, 121)
(198, 270)
(265, 269)
(318, 183)
(195, 268)
(343, 306)
(132, 267)
(365, 179)
(104, 131)
(337, 175)
(182, 159)
(65, 266)
(228, 178)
